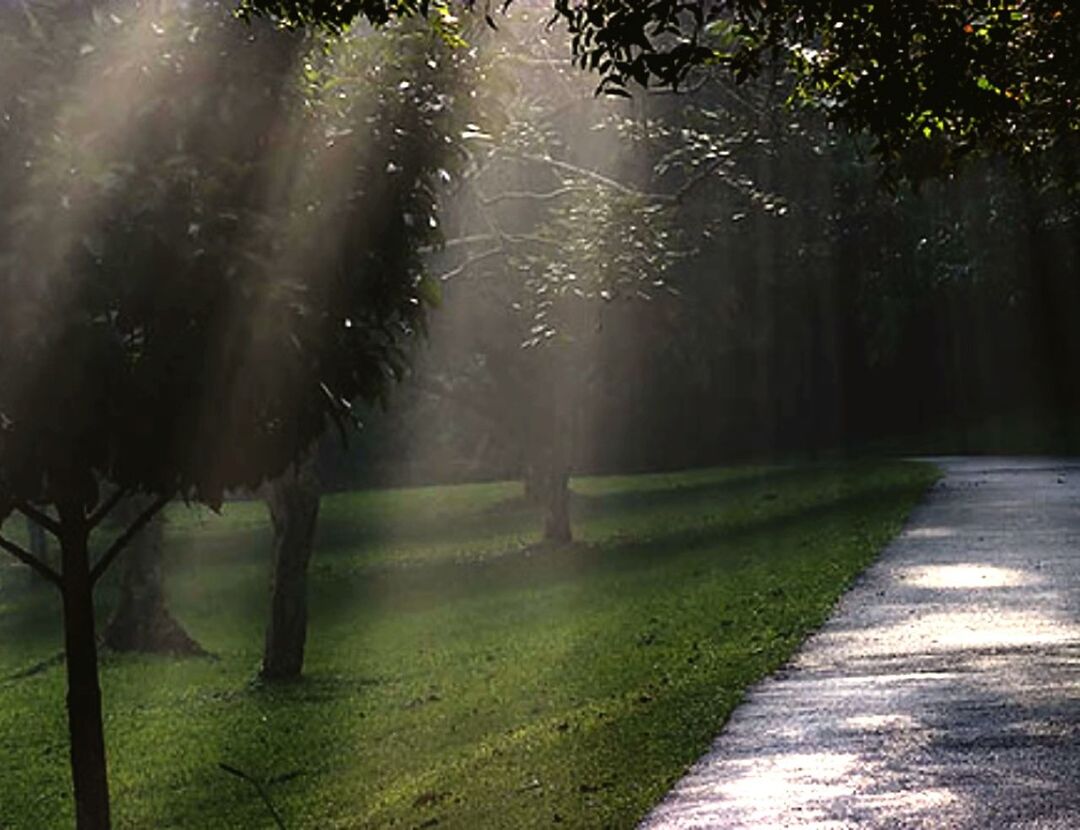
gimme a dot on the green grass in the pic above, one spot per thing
(456, 673)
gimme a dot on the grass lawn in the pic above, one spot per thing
(457, 676)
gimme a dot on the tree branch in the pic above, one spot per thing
(607, 181)
(682, 90)
(39, 518)
(122, 540)
(457, 242)
(530, 196)
(39, 33)
(473, 260)
(32, 561)
(99, 515)
(700, 176)
(517, 238)
(716, 166)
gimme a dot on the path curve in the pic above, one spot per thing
(944, 692)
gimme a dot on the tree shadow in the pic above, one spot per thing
(295, 737)
(529, 568)
(256, 727)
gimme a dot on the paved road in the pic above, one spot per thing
(945, 690)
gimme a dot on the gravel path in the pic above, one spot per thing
(945, 690)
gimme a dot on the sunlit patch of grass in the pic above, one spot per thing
(457, 673)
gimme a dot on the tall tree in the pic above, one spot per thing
(404, 88)
(570, 211)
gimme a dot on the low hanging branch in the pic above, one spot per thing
(585, 172)
(121, 542)
(32, 561)
(708, 171)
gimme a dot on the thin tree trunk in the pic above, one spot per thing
(141, 621)
(553, 471)
(88, 769)
(557, 505)
(293, 501)
(560, 431)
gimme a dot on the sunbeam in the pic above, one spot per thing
(460, 414)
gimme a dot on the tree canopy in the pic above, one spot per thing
(190, 264)
(930, 82)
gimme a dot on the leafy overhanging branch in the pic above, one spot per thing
(931, 82)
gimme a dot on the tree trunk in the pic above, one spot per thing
(293, 501)
(553, 482)
(88, 769)
(557, 506)
(532, 484)
(141, 621)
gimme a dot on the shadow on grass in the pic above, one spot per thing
(422, 587)
(287, 736)
(34, 619)
(518, 514)
(297, 738)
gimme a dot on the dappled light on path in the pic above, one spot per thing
(929, 532)
(943, 691)
(964, 576)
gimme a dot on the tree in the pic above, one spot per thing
(843, 314)
(293, 502)
(196, 280)
(569, 213)
(404, 84)
(930, 82)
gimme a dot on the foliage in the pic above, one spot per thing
(552, 224)
(931, 82)
(574, 212)
(818, 312)
(233, 257)
(450, 676)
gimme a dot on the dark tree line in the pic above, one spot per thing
(842, 316)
